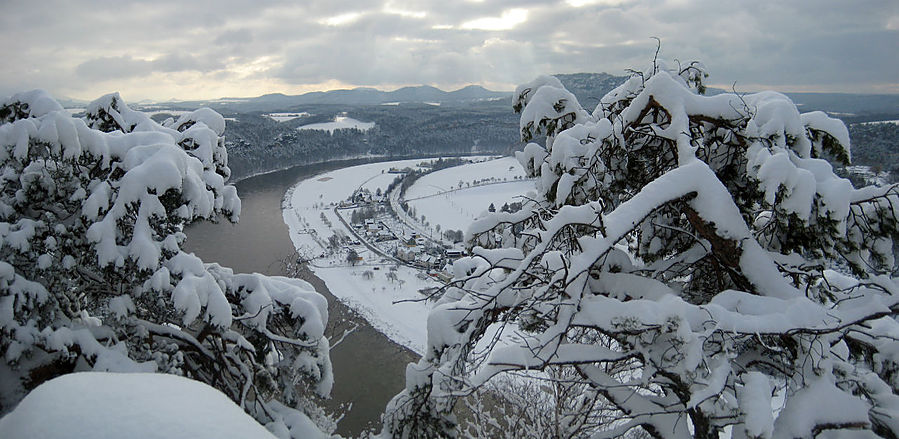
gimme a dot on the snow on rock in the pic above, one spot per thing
(112, 405)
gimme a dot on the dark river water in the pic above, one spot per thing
(368, 368)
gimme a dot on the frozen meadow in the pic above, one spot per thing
(454, 197)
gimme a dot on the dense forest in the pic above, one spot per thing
(257, 143)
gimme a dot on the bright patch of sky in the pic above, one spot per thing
(209, 50)
(508, 20)
(342, 19)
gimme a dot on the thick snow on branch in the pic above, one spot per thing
(93, 276)
(695, 259)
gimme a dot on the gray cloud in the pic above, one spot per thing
(107, 68)
(234, 47)
(234, 37)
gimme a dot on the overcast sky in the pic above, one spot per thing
(195, 49)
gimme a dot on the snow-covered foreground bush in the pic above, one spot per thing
(692, 260)
(92, 275)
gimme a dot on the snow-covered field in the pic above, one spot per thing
(457, 209)
(173, 113)
(881, 121)
(392, 307)
(339, 122)
(881, 178)
(309, 214)
(439, 198)
(284, 117)
(384, 292)
(502, 169)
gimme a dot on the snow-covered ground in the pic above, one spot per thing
(101, 405)
(457, 209)
(502, 169)
(870, 176)
(309, 214)
(881, 121)
(173, 113)
(386, 293)
(339, 122)
(454, 197)
(308, 206)
(393, 307)
(284, 117)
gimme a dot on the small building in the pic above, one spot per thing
(408, 254)
(442, 276)
(453, 253)
(385, 235)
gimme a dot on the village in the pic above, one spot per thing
(384, 236)
(393, 235)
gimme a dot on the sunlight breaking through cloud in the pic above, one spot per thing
(342, 19)
(402, 42)
(508, 20)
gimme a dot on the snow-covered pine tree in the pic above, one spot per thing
(693, 259)
(93, 277)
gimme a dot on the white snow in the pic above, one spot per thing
(284, 117)
(304, 206)
(376, 300)
(154, 112)
(102, 405)
(455, 197)
(394, 305)
(340, 122)
(456, 210)
(506, 168)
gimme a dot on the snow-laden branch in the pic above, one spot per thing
(93, 275)
(694, 259)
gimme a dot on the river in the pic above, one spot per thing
(368, 368)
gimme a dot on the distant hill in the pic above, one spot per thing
(468, 120)
(351, 97)
(589, 88)
(850, 107)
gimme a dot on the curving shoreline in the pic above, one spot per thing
(368, 367)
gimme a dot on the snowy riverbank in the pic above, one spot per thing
(389, 295)
(392, 306)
